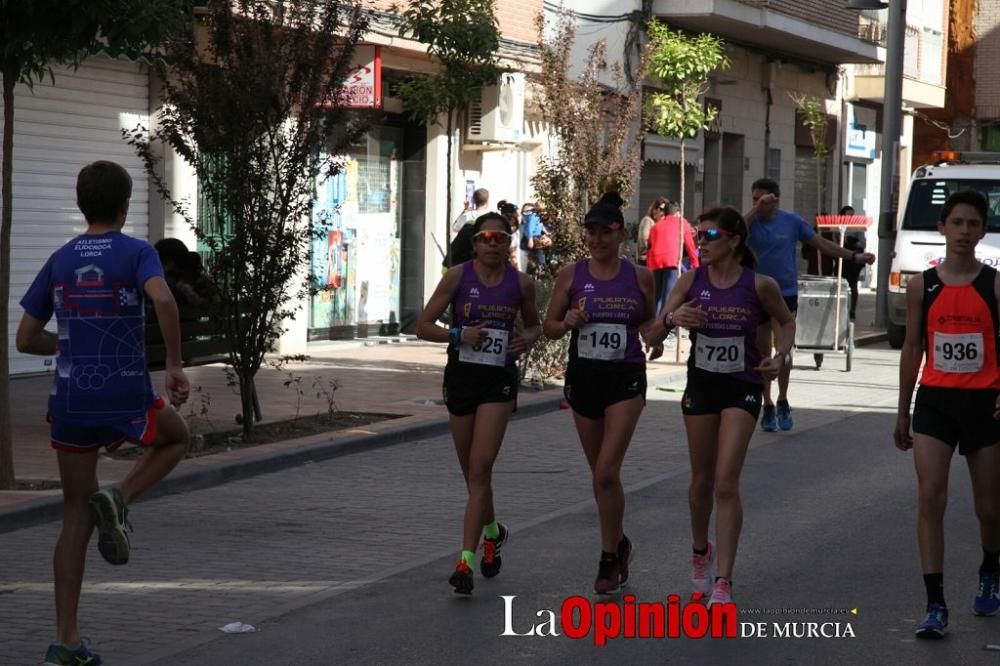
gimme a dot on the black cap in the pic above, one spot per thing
(607, 211)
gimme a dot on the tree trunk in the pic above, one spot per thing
(680, 246)
(246, 404)
(447, 203)
(7, 218)
(819, 204)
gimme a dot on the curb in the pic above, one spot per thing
(47, 509)
(871, 339)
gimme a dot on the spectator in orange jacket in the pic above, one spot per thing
(664, 255)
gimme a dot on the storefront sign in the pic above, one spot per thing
(860, 142)
(363, 86)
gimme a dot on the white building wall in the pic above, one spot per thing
(58, 129)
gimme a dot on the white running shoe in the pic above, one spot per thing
(701, 574)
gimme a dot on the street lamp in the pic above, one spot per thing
(892, 114)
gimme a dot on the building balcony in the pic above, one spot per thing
(923, 71)
(821, 31)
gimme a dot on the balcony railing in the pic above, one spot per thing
(923, 55)
(839, 18)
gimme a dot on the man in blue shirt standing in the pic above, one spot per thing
(773, 237)
(96, 286)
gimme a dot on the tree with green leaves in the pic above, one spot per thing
(253, 107)
(462, 38)
(681, 64)
(36, 36)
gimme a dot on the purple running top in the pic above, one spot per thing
(616, 307)
(475, 303)
(727, 342)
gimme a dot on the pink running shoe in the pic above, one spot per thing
(701, 575)
(722, 592)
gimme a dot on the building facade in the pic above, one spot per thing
(383, 254)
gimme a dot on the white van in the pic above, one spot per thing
(919, 246)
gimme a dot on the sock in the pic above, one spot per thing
(468, 557)
(783, 402)
(991, 563)
(702, 552)
(934, 583)
(492, 530)
(605, 555)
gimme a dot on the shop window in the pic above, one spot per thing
(774, 164)
(991, 138)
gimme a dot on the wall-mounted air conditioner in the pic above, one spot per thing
(498, 115)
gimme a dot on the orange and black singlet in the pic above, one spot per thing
(960, 326)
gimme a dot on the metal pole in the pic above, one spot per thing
(892, 112)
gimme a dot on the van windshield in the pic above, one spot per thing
(927, 196)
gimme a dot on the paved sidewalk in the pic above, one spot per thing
(402, 377)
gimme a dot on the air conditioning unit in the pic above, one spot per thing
(498, 115)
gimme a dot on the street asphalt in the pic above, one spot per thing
(346, 561)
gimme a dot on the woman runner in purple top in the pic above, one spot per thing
(722, 302)
(603, 301)
(485, 295)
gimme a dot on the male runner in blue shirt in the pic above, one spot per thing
(773, 235)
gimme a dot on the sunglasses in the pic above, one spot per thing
(709, 235)
(495, 237)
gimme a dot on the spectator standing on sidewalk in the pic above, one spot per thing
(952, 318)
(481, 378)
(656, 211)
(603, 300)
(664, 254)
(96, 286)
(855, 242)
(509, 211)
(722, 303)
(460, 249)
(774, 234)
(535, 238)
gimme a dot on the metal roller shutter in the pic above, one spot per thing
(659, 179)
(57, 130)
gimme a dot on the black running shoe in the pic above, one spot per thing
(624, 557)
(608, 575)
(461, 580)
(490, 565)
(110, 515)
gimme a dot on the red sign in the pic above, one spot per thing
(363, 87)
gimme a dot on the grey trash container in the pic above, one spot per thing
(817, 317)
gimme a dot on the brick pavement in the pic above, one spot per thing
(254, 549)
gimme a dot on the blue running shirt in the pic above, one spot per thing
(94, 286)
(773, 241)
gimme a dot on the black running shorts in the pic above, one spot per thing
(709, 393)
(961, 418)
(468, 385)
(593, 387)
